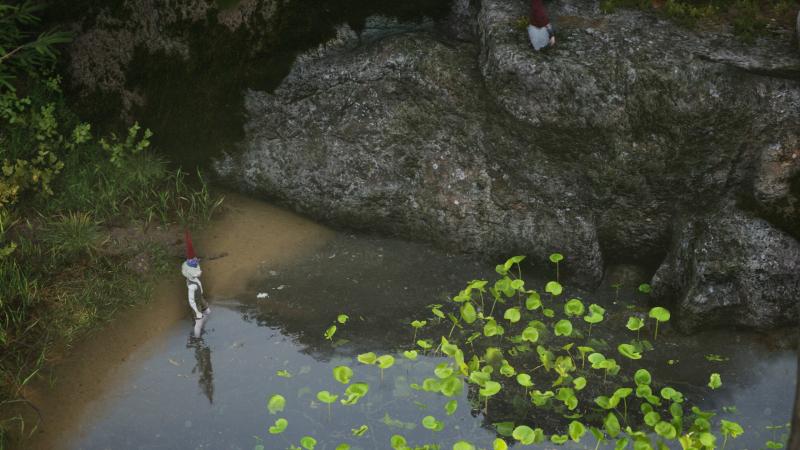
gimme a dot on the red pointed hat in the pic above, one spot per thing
(189, 247)
(538, 17)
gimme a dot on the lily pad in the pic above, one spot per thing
(276, 404)
(554, 288)
(279, 426)
(342, 374)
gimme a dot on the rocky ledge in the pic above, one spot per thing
(632, 140)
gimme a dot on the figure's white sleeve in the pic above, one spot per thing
(192, 303)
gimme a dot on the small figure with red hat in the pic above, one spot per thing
(191, 270)
(540, 30)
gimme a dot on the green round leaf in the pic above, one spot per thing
(418, 323)
(385, 361)
(431, 423)
(279, 426)
(666, 430)
(574, 308)
(645, 288)
(490, 388)
(512, 315)
(342, 374)
(556, 257)
(530, 334)
(451, 386)
(554, 288)
(731, 429)
(634, 323)
(367, 358)
(326, 397)
(499, 444)
(308, 442)
(576, 430)
(524, 434)
(425, 344)
(398, 442)
(276, 404)
(642, 377)
(533, 301)
(629, 351)
(463, 445)
(451, 407)
(524, 380)
(660, 314)
(563, 327)
(714, 381)
(410, 354)
(342, 318)
(611, 424)
(468, 312)
(652, 418)
(443, 370)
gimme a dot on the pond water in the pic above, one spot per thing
(212, 391)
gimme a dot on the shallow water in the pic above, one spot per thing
(211, 392)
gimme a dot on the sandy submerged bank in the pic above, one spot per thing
(250, 234)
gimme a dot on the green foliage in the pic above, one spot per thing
(576, 397)
(714, 381)
(747, 18)
(276, 404)
(59, 192)
(21, 51)
(279, 426)
(119, 150)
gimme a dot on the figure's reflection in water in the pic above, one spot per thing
(202, 356)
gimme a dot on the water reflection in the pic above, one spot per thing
(383, 285)
(202, 357)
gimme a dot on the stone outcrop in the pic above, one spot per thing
(593, 148)
(730, 268)
(398, 136)
(631, 141)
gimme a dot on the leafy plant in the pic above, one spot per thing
(279, 426)
(497, 360)
(659, 314)
(555, 258)
(276, 404)
(327, 398)
(714, 381)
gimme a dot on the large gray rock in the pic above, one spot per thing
(591, 148)
(656, 118)
(397, 135)
(729, 268)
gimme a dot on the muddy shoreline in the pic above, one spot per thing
(249, 233)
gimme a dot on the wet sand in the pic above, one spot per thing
(250, 234)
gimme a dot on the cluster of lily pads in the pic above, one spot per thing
(510, 343)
